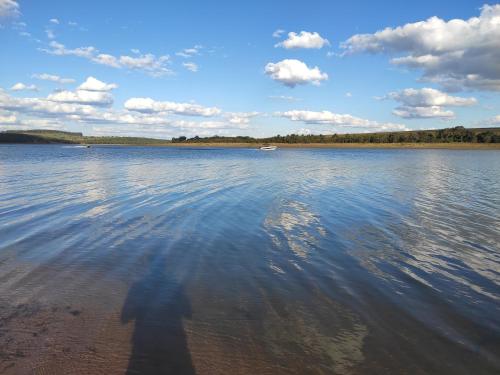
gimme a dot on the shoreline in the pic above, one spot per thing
(448, 146)
(416, 146)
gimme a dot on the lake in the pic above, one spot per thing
(144, 260)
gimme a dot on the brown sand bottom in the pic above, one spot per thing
(41, 339)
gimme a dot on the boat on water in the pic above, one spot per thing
(268, 148)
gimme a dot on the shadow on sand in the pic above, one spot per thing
(157, 304)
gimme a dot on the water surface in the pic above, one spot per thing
(145, 260)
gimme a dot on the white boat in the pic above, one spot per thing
(268, 148)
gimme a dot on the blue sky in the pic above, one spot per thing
(255, 68)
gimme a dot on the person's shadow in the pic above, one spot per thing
(157, 304)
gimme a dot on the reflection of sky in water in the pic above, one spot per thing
(302, 249)
(291, 226)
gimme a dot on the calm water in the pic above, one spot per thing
(121, 260)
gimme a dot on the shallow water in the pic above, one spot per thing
(235, 261)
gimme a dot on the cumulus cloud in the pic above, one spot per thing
(93, 84)
(90, 92)
(53, 78)
(98, 98)
(42, 107)
(427, 103)
(304, 39)
(23, 87)
(427, 97)
(148, 105)
(148, 63)
(191, 66)
(9, 8)
(55, 21)
(457, 54)
(291, 72)
(339, 120)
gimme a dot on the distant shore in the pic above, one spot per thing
(449, 146)
(457, 138)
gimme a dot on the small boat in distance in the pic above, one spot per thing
(268, 148)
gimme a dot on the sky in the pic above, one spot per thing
(258, 68)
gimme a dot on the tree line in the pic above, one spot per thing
(449, 135)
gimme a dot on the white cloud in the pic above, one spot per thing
(190, 66)
(434, 111)
(42, 107)
(22, 87)
(155, 66)
(429, 97)
(304, 39)
(55, 21)
(148, 63)
(59, 49)
(348, 95)
(427, 103)
(240, 118)
(339, 120)
(105, 59)
(148, 105)
(91, 92)
(278, 33)
(98, 98)
(9, 119)
(292, 72)
(93, 84)
(189, 52)
(53, 78)
(9, 8)
(457, 54)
